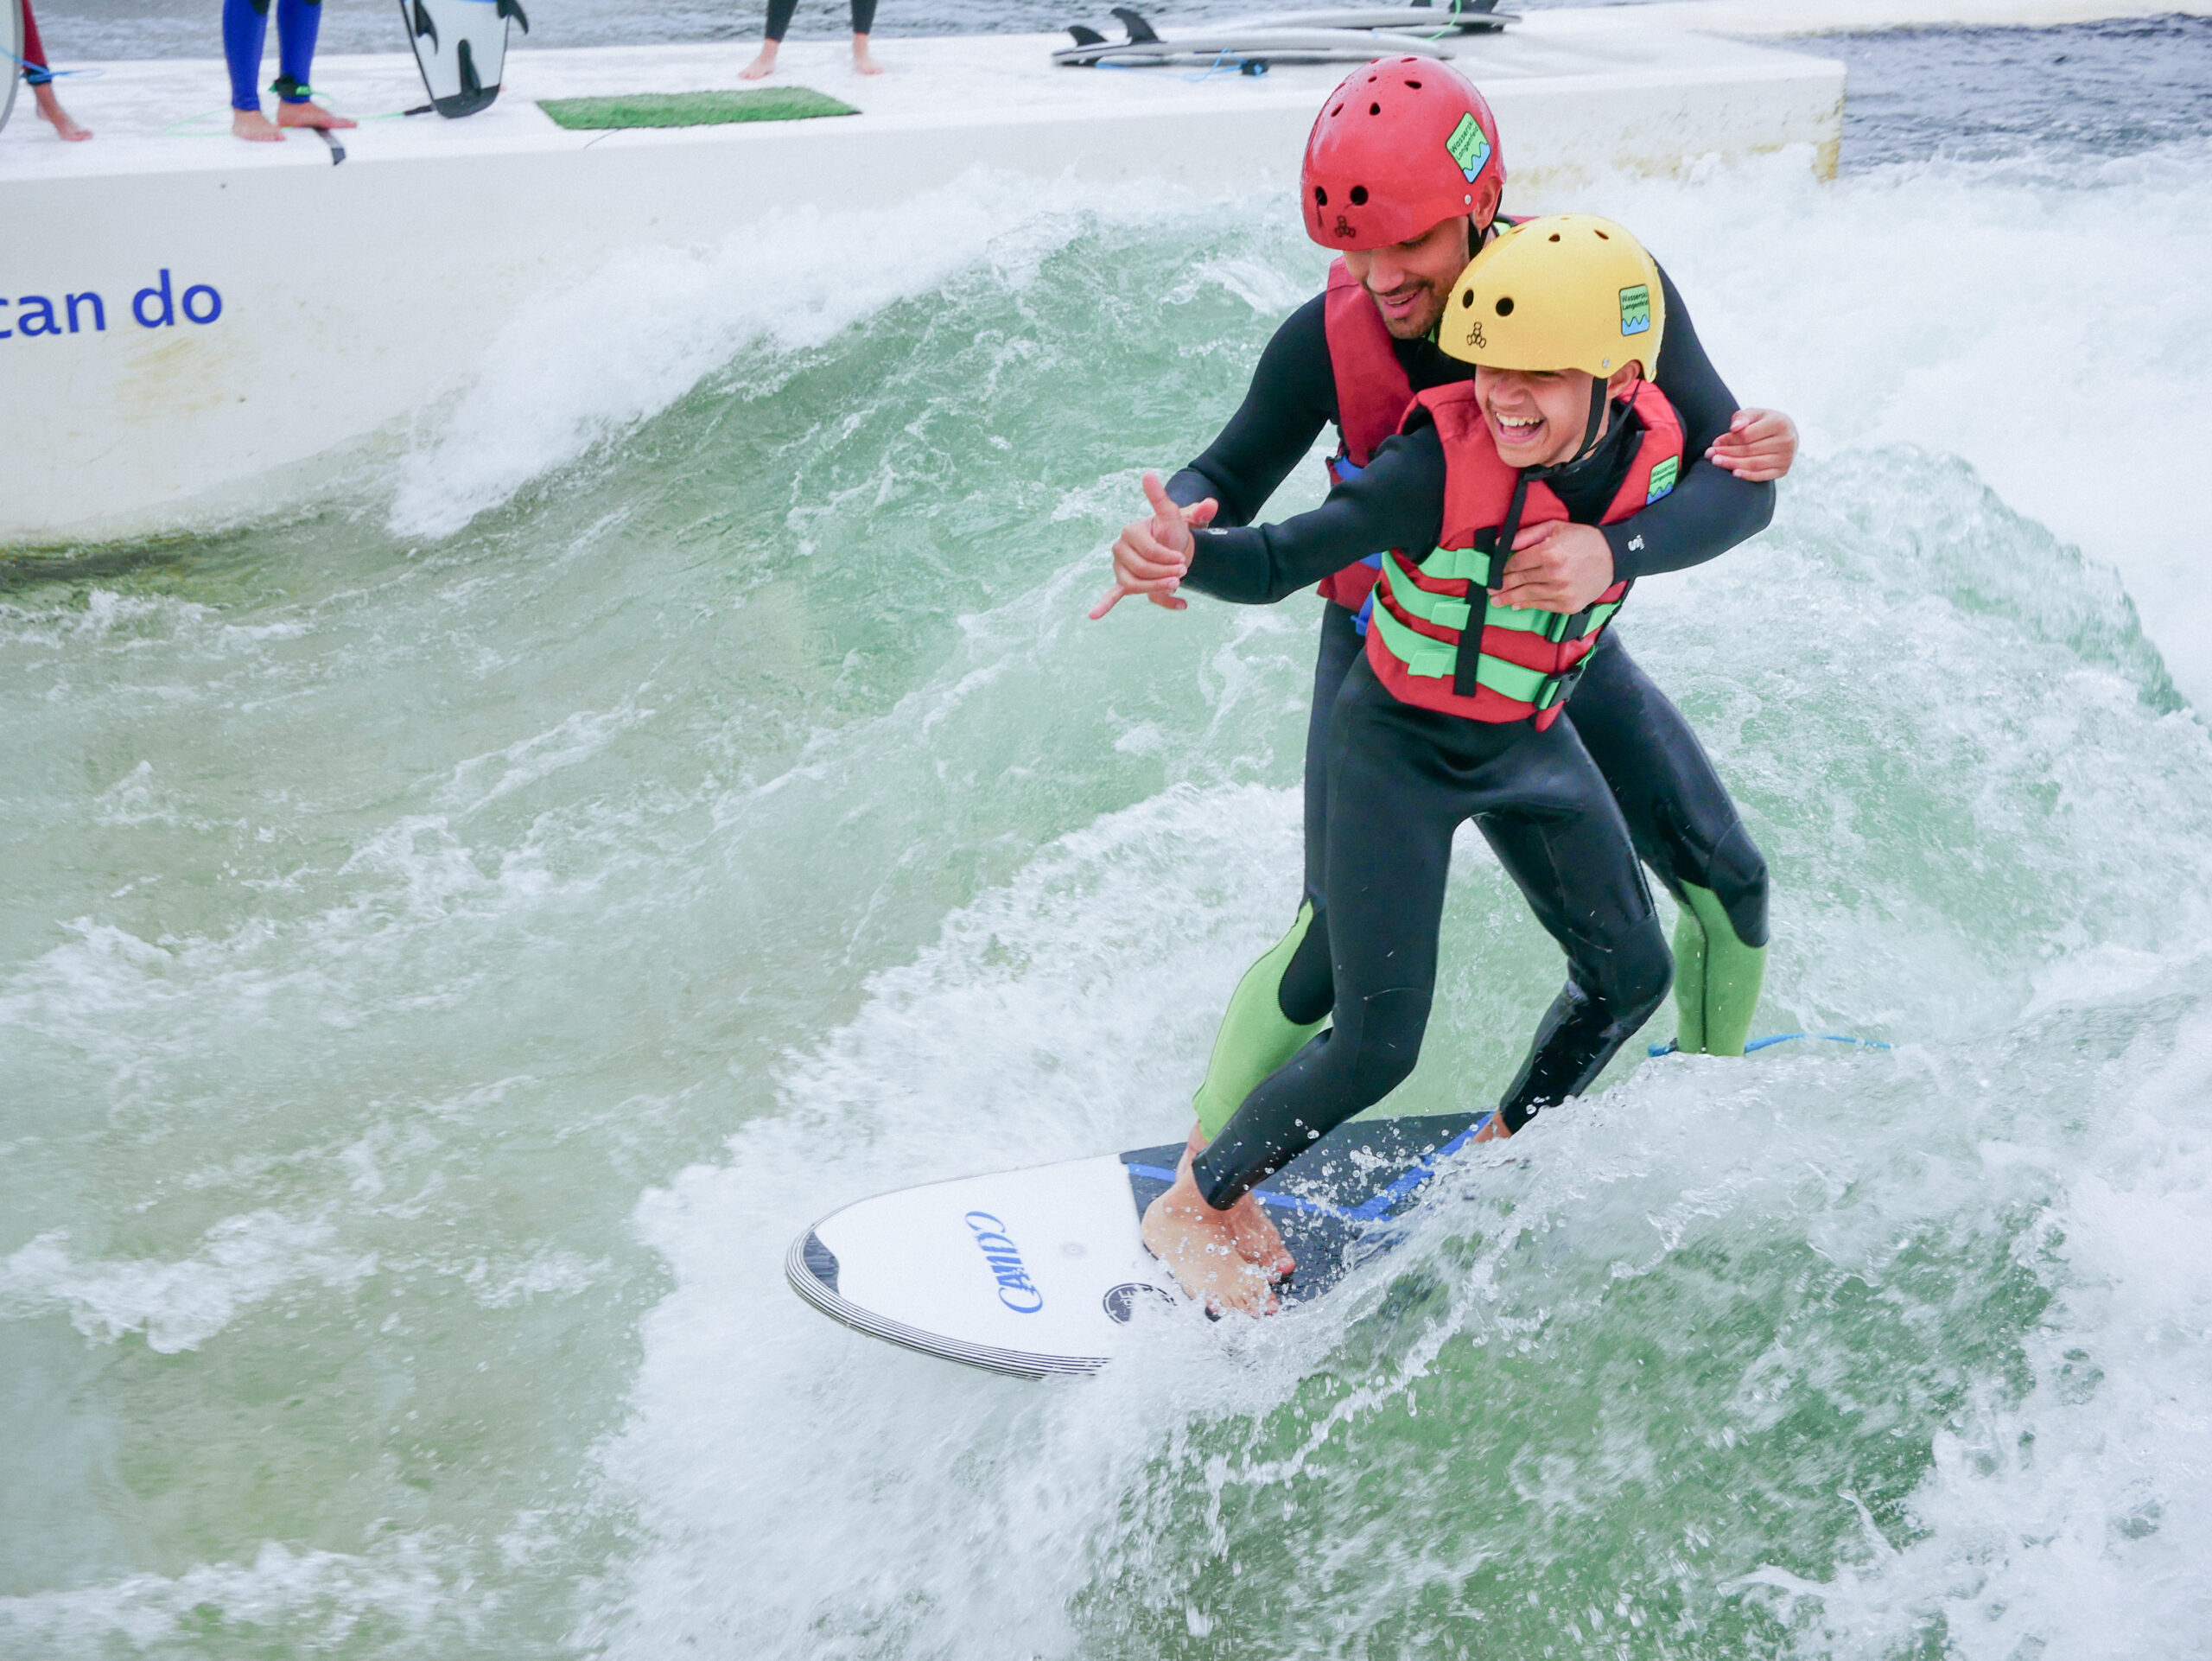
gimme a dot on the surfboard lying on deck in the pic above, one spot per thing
(1252, 43)
(1038, 1272)
(1482, 19)
(461, 46)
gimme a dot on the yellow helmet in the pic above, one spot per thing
(1566, 291)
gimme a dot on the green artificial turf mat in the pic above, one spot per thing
(694, 109)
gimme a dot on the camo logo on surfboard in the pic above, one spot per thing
(1469, 145)
(1016, 1290)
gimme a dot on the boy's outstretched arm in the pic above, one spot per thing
(1397, 502)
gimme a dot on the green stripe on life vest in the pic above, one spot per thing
(1450, 564)
(1434, 658)
(1448, 611)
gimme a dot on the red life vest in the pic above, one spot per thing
(1526, 659)
(1372, 393)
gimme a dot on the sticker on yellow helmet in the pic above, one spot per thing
(1636, 310)
(1469, 146)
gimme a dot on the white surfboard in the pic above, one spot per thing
(461, 46)
(1037, 1273)
(14, 39)
(1414, 20)
(1264, 45)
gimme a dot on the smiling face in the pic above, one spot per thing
(1537, 417)
(1410, 281)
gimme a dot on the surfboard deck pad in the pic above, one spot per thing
(1037, 1273)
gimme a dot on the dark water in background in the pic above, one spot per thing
(1975, 94)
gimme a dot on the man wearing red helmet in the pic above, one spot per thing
(1402, 177)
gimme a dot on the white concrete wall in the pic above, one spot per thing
(426, 240)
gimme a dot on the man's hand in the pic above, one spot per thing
(1557, 567)
(1759, 445)
(1150, 556)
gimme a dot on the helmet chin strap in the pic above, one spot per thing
(1592, 432)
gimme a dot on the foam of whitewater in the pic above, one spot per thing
(625, 344)
(439, 982)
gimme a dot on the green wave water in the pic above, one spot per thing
(454, 936)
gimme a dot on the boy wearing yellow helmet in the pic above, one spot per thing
(1453, 713)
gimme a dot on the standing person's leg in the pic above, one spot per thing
(1389, 850)
(863, 21)
(1397, 791)
(39, 75)
(298, 22)
(1561, 837)
(779, 22)
(1686, 827)
(1258, 1031)
(246, 24)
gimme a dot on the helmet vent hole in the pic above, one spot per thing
(1554, 236)
(1359, 195)
(1505, 305)
(1320, 197)
(1374, 109)
(1414, 85)
(1466, 298)
(1602, 237)
(1339, 110)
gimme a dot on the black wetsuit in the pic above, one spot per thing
(1683, 821)
(1671, 802)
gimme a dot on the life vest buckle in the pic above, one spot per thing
(1570, 625)
(1557, 689)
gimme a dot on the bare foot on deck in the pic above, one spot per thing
(254, 125)
(308, 115)
(1198, 1246)
(863, 64)
(761, 66)
(50, 107)
(1258, 1240)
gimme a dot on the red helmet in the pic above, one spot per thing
(1398, 149)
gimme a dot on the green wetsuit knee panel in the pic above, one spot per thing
(1255, 1038)
(1717, 977)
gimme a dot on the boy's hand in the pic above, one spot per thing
(1150, 556)
(1557, 567)
(1759, 445)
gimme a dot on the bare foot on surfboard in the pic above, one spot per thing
(1257, 1240)
(1198, 1246)
(863, 64)
(761, 66)
(308, 115)
(253, 125)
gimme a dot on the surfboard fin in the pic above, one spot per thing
(514, 9)
(1140, 32)
(1086, 36)
(472, 89)
(424, 25)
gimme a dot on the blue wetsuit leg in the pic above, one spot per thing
(245, 23)
(298, 22)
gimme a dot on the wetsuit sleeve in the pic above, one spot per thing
(1397, 502)
(1710, 509)
(1292, 396)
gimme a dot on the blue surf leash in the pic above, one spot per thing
(1667, 1048)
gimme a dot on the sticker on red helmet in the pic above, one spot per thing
(1469, 145)
(1636, 310)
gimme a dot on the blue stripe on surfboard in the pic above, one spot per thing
(1367, 1210)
